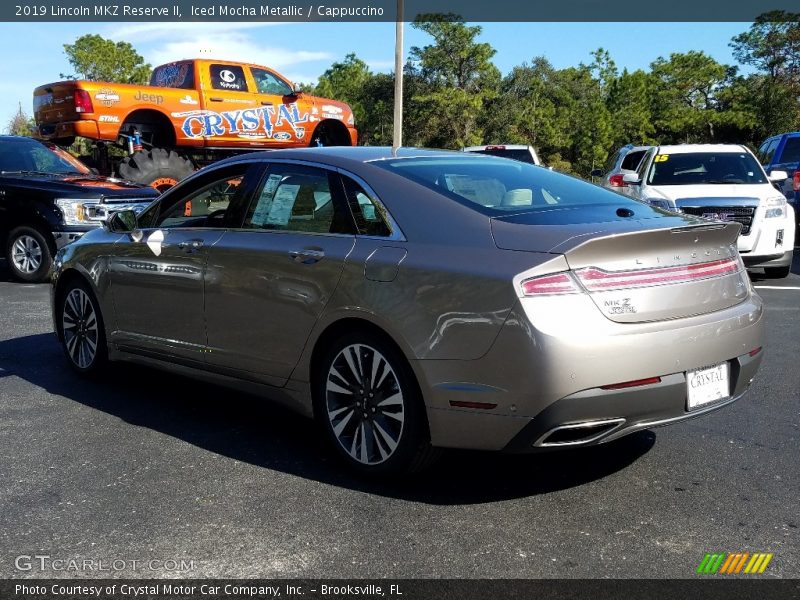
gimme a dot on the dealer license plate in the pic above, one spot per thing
(707, 385)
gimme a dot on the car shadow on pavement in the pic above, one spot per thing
(253, 430)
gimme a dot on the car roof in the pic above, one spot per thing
(18, 138)
(343, 156)
(688, 148)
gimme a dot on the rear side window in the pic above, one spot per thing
(369, 215)
(791, 151)
(767, 151)
(632, 160)
(297, 198)
(175, 75)
(228, 77)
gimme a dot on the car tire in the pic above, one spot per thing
(158, 168)
(368, 401)
(29, 253)
(777, 272)
(81, 329)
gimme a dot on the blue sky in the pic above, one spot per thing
(33, 52)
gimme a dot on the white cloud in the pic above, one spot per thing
(148, 32)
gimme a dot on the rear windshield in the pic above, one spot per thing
(705, 168)
(22, 156)
(498, 187)
(522, 155)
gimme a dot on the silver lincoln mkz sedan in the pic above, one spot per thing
(419, 299)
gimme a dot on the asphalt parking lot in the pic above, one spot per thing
(146, 466)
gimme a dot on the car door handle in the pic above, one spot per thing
(190, 246)
(265, 103)
(215, 99)
(307, 256)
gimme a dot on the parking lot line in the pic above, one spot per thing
(776, 287)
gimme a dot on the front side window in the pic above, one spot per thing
(228, 77)
(269, 83)
(205, 207)
(696, 168)
(767, 151)
(297, 198)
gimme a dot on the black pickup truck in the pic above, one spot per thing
(48, 198)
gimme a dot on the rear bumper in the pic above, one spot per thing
(777, 260)
(69, 129)
(551, 359)
(596, 416)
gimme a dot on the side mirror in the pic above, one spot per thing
(632, 179)
(596, 173)
(123, 221)
(778, 176)
(297, 89)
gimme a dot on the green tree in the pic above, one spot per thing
(772, 46)
(629, 103)
(452, 79)
(685, 99)
(98, 59)
(21, 124)
(345, 81)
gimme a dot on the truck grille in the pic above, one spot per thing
(740, 214)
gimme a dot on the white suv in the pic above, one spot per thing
(722, 182)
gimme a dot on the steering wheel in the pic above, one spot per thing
(216, 215)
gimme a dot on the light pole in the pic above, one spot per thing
(397, 134)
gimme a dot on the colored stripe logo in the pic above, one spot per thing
(734, 563)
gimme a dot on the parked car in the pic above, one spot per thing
(514, 151)
(414, 299)
(722, 182)
(48, 198)
(623, 161)
(782, 153)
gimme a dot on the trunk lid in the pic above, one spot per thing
(646, 270)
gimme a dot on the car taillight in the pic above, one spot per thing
(616, 181)
(595, 280)
(495, 147)
(83, 102)
(560, 283)
(796, 181)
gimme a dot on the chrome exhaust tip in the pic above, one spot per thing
(578, 434)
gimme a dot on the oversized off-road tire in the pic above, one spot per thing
(80, 328)
(29, 252)
(369, 403)
(158, 168)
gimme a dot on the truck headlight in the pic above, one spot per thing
(776, 207)
(74, 211)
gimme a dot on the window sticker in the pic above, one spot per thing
(661, 158)
(261, 213)
(281, 207)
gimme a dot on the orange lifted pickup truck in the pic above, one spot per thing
(193, 112)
